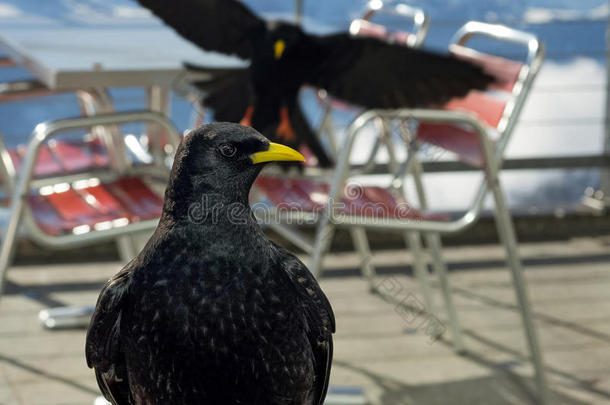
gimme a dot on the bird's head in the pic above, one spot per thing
(284, 37)
(220, 161)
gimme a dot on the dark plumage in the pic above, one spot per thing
(211, 312)
(365, 71)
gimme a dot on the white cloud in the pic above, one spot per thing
(8, 10)
(535, 15)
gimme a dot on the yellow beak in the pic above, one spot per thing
(278, 48)
(277, 153)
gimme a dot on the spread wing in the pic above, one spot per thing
(322, 324)
(227, 91)
(216, 25)
(102, 348)
(376, 74)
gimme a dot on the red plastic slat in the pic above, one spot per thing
(136, 197)
(45, 166)
(456, 139)
(105, 202)
(73, 157)
(487, 108)
(45, 216)
(460, 140)
(59, 213)
(70, 205)
(98, 153)
(310, 196)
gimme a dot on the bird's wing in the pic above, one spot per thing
(227, 92)
(102, 347)
(376, 74)
(321, 320)
(215, 25)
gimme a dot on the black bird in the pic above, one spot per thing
(211, 312)
(368, 72)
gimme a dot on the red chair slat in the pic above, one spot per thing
(105, 202)
(45, 216)
(461, 141)
(458, 139)
(59, 213)
(310, 196)
(486, 108)
(72, 157)
(136, 197)
(45, 165)
(70, 205)
(286, 194)
(98, 153)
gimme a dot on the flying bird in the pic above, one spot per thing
(211, 311)
(368, 72)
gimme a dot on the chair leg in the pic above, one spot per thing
(420, 268)
(361, 244)
(7, 251)
(433, 241)
(9, 237)
(507, 236)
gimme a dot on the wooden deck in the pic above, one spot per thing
(379, 346)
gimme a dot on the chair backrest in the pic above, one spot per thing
(413, 37)
(501, 105)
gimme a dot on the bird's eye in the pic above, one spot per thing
(227, 150)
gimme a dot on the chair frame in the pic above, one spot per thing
(492, 153)
(24, 182)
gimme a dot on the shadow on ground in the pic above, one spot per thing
(499, 388)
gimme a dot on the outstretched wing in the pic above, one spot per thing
(227, 91)
(322, 324)
(102, 348)
(216, 25)
(376, 74)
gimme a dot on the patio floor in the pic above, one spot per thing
(378, 345)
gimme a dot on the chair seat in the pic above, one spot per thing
(63, 157)
(459, 139)
(95, 206)
(310, 196)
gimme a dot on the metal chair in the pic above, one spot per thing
(86, 207)
(464, 127)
